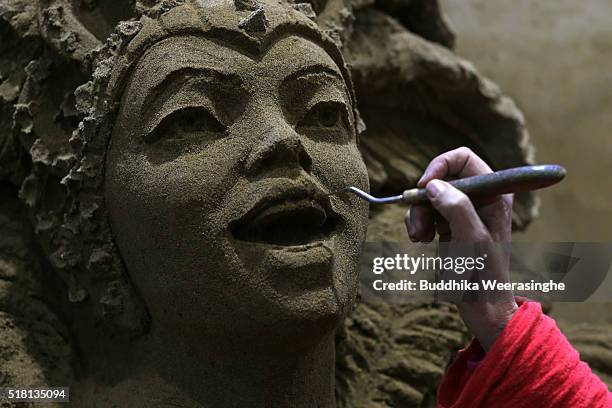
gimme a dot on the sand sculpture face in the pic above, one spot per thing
(216, 178)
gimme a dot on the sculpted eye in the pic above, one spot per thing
(187, 123)
(325, 115)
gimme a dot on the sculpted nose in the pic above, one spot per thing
(277, 150)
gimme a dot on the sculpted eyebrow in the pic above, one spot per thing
(186, 73)
(314, 69)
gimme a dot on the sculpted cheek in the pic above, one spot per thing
(339, 165)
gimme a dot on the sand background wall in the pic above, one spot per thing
(554, 57)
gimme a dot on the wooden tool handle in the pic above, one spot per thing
(513, 180)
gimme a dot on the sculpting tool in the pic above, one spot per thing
(514, 180)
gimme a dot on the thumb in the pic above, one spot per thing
(463, 220)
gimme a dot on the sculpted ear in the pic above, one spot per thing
(418, 99)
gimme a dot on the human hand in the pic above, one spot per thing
(456, 218)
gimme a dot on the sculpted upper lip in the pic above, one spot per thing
(295, 215)
(292, 193)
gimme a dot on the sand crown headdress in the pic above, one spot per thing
(65, 187)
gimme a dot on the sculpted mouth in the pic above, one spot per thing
(297, 219)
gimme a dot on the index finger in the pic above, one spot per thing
(458, 163)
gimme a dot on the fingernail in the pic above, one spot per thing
(422, 178)
(434, 187)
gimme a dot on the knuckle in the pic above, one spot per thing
(508, 210)
(478, 237)
(482, 235)
(509, 201)
(457, 201)
(464, 150)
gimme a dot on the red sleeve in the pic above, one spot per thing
(531, 364)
